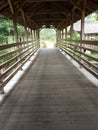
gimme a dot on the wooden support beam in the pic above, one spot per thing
(63, 36)
(40, 0)
(37, 35)
(23, 16)
(82, 25)
(25, 28)
(60, 25)
(34, 34)
(19, 8)
(74, 3)
(64, 25)
(68, 17)
(49, 19)
(14, 20)
(93, 4)
(28, 18)
(72, 19)
(30, 23)
(49, 12)
(66, 33)
(84, 4)
(11, 6)
(83, 19)
(15, 28)
(58, 37)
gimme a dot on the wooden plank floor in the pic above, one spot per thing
(52, 95)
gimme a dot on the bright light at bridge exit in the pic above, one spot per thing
(47, 38)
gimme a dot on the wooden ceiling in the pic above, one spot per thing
(36, 13)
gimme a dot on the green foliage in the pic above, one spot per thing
(7, 31)
(95, 55)
(92, 17)
(68, 38)
(20, 30)
(76, 36)
(96, 16)
(3, 39)
(6, 26)
(48, 34)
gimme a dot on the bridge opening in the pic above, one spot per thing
(47, 38)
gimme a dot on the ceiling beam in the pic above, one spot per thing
(49, 12)
(75, 4)
(40, 0)
(94, 5)
(49, 19)
(25, 16)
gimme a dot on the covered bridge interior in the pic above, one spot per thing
(36, 13)
(52, 94)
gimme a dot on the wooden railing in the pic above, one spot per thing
(13, 57)
(78, 50)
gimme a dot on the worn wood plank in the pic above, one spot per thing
(52, 95)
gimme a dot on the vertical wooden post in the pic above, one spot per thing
(83, 20)
(38, 38)
(63, 31)
(61, 34)
(15, 28)
(82, 25)
(66, 33)
(66, 29)
(57, 38)
(82, 36)
(31, 33)
(61, 37)
(26, 33)
(25, 28)
(35, 38)
(34, 34)
(71, 29)
(14, 20)
(31, 36)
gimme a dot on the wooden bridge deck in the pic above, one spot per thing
(52, 95)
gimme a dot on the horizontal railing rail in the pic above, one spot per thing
(13, 57)
(84, 52)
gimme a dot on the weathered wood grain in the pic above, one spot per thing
(52, 95)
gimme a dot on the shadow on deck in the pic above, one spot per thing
(52, 95)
